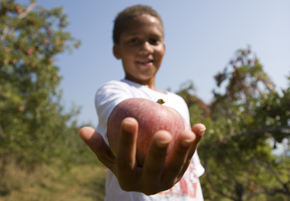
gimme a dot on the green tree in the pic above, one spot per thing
(245, 117)
(33, 125)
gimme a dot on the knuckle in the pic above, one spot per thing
(181, 152)
(152, 172)
(124, 165)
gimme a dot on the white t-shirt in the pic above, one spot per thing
(107, 97)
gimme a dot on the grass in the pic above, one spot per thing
(82, 182)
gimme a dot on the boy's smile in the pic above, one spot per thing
(141, 49)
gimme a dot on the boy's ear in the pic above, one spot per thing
(116, 51)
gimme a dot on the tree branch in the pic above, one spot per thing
(4, 33)
(28, 10)
(285, 190)
(22, 15)
(284, 129)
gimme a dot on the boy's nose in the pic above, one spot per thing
(146, 48)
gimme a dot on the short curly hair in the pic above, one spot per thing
(127, 15)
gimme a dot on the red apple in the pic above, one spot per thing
(151, 117)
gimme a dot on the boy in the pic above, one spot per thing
(138, 42)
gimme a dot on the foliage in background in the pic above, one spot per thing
(245, 120)
(34, 127)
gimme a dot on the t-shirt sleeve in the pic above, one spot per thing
(107, 97)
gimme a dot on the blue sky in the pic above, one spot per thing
(200, 36)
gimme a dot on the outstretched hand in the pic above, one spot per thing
(160, 170)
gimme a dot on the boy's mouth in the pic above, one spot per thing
(145, 62)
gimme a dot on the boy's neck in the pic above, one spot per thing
(148, 83)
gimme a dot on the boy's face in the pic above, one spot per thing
(141, 49)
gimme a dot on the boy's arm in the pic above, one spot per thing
(160, 171)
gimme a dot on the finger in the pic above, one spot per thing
(198, 130)
(177, 159)
(97, 144)
(126, 156)
(155, 159)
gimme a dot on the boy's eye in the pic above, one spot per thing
(134, 40)
(153, 41)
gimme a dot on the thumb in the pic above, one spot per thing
(98, 145)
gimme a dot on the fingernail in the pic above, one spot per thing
(129, 126)
(187, 142)
(202, 130)
(162, 143)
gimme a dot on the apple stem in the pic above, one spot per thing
(160, 101)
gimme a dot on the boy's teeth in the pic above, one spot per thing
(144, 62)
